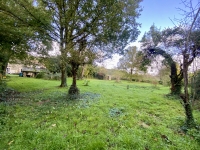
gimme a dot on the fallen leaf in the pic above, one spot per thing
(53, 125)
(10, 142)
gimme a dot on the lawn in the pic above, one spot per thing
(108, 115)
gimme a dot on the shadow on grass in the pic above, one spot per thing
(48, 98)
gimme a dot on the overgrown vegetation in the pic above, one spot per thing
(106, 116)
(2, 89)
(195, 86)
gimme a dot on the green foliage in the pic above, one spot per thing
(56, 77)
(2, 90)
(151, 38)
(40, 75)
(52, 63)
(131, 61)
(195, 134)
(79, 43)
(48, 76)
(21, 31)
(195, 85)
(86, 83)
(164, 75)
(100, 76)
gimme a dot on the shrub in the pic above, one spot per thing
(47, 77)
(195, 134)
(100, 76)
(86, 83)
(40, 75)
(56, 77)
(2, 89)
(195, 86)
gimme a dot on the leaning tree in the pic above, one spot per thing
(183, 40)
(155, 43)
(186, 40)
(175, 76)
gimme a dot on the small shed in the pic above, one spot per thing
(31, 72)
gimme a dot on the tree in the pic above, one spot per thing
(52, 63)
(86, 71)
(20, 32)
(131, 61)
(187, 43)
(154, 43)
(189, 50)
(85, 27)
(175, 76)
(184, 40)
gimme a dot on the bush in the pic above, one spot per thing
(195, 86)
(40, 75)
(86, 83)
(56, 77)
(2, 89)
(100, 76)
(46, 76)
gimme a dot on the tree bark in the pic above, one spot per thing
(3, 68)
(73, 90)
(131, 76)
(175, 80)
(187, 105)
(63, 77)
(83, 71)
(63, 59)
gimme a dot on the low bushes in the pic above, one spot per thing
(2, 89)
(48, 76)
(195, 86)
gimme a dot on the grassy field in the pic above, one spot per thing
(107, 116)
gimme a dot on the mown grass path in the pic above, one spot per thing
(107, 116)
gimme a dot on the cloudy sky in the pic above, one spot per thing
(162, 13)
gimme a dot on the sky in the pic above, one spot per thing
(161, 13)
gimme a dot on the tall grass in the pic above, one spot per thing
(107, 116)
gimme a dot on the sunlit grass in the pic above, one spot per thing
(109, 116)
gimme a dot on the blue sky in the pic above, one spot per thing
(159, 12)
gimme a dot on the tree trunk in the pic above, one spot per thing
(83, 71)
(73, 90)
(63, 77)
(175, 80)
(3, 68)
(189, 116)
(63, 56)
(187, 105)
(131, 77)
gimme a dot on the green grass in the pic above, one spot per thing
(107, 116)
